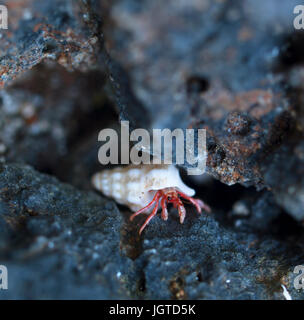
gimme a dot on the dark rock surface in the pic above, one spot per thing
(234, 68)
(40, 112)
(212, 262)
(46, 29)
(59, 243)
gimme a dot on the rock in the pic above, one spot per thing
(283, 174)
(39, 114)
(232, 69)
(203, 67)
(204, 260)
(59, 243)
(71, 242)
(54, 30)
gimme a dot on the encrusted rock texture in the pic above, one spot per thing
(71, 68)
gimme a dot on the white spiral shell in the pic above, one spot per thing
(131, 185)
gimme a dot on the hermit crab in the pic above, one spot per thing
(144, 187)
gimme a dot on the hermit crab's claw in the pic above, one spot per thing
(164, 213)
(181, 212)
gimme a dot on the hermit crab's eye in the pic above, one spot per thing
(169, 198)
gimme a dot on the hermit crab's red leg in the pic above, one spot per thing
(164, 213)
(181, 211)
(203, 205)
(150, 216)
(196, 202)
(155, 199)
